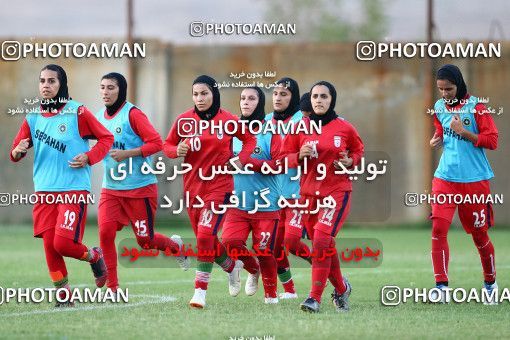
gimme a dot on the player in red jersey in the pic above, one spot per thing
(338, 142)
(62, 160)
(212, 148)
(133, 199)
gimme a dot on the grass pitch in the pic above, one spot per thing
(158, 298)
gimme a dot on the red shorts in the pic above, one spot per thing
(67, 219)
(140, 212)
(290, 218)
(327, 220)
(477, 216)
(204, 219)
(263, 225)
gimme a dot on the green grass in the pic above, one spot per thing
(406, 263)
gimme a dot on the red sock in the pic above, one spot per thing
(487, 256)
(440, 251)
(268, 273)
(295, 246)
(321, 265)
(205, 247)
(107, 233)
(203, 274)
(250, 263)
(55, 261)
(68, 248)
(282, 261)
(335, 274)
(202, 280)
(159, 241)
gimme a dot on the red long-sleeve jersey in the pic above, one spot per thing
(89, 128)
(206, 151)
(487, 130)
(337, 136)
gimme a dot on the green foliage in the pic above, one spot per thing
(328, 20)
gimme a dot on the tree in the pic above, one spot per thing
(324, 20)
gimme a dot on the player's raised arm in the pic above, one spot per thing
(152, 142)
(437, 139)
(143, 128)
(90, 128)
(21, 143)
(249, 144)
(488, 132)
(174, 146)
(355, 146)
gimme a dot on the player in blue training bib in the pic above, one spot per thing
(129, 196)
(286, 103)
(465, 128)
(62, 160)
(258, 195)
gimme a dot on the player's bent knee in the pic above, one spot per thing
(62, 246)
(480, 237)
(106, 233)
(292, 243)
(440, 227)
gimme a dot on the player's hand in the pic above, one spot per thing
(182, 149)
(21, 148)
(119, 155)
(231, 167)
(79, 161)
(345, 160)
(305, 151)
(436, 140)
(456, 124)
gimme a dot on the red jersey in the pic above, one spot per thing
(208, 150)
(337, 136)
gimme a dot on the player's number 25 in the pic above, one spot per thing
(479, 218)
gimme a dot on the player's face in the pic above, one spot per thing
(248, 102)
(48, 84)
(447, 89)
(321, 99)
(202, 97)
(281, 98)
(109, 90)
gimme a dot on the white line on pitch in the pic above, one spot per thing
(156, 300)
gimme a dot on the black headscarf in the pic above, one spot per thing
(121, 99)
(215, 106)
(453, 74)
(293, 107)
(305, 104)
(330, 113)
(258, 113)
(63, 92)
